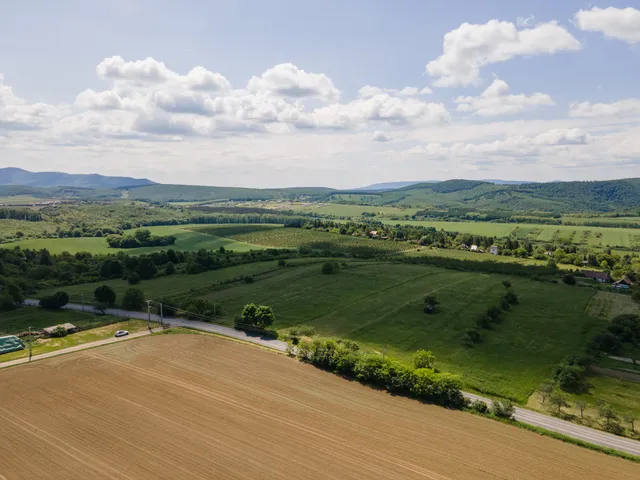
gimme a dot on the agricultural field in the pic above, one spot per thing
(467, 255)
(281, 237)
(335, 209)
(607, 305)
(231, 411)
(380, 305)
(46, 345)
(21, 200)
(590, 236)
(12, 229)
(186, 239)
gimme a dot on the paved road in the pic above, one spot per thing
(569, 429)
(623, 359)
(82, 346)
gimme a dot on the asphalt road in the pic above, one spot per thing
(523, 415)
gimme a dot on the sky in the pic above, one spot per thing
(334, 93)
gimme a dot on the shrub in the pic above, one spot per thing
(58, 332)
(192, 268)
(479, 406)
(431, 300)
(248, 279)
(495, 314)
(511, 297)
(7, 303)
(503, 409)
(329, 268)
(504, 304)
(506, 283)
(105, 294)
(569, 279)
(484, 321)
(133, 299)
(133, 278)
(473, 335)
(170, 269)
(423, 359)
(55, 301)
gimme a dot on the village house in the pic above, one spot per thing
(69, 327)
(601, 277)
(373, 234)
(493, 250)
(623, 283)
(474, 248)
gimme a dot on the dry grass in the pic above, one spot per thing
(188, 406)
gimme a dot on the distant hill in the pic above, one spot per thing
(18, 176)
(379, 187)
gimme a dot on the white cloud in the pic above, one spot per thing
(200, 78)
(147, 70)
(471, 46)
(526, 21)
(622, 108)
(369, 91)
(288, 80)
(620, 23)
(497, 100)
(379, 136)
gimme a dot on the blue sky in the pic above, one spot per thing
(283, 105)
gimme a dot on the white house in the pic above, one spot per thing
(474, 248)
(493, 250)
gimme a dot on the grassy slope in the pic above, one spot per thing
(607, 305)
(187, 239)
(21, 319)
(381, 305)
(46, 345)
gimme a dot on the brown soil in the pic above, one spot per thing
(191, 406)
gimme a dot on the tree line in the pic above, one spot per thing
(20, 214)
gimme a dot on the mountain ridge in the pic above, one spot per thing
(19, 176)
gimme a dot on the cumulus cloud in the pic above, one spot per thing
(497, 100)
(290, 81)
(622, 108)
(379, 136)
(620, 23)
(16, 114)
(369, 91)
(472, 46)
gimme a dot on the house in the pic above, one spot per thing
(373, 234)
(493, 250)
(69, 327)
(623, 283)
(474, 248)
(601, 277)
(10, 343)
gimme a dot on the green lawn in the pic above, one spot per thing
(21, 319)
(46, 345)
(186, 239)
(381, 305)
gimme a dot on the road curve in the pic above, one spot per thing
(523, 415)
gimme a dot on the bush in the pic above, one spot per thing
(193, 268)
(570, 377)
(55, 301)
(431, 300)
(58, 332)
(6, 303)
(248, 279)
(569, 279)
(506, 283)
(170, 269)
(473, 335)
(423, 359)
(105, 294)
(479, 407)
(133, 278)
(484, 321)
(495, 314)
(133, 299)
(329, 268)
(503, 409)
(511, 297)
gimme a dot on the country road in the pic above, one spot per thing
(523, 415)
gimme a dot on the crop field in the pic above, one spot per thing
(381, 305)
(281, 237)
(337, 209)
(608, 305)
(190, 407)
(186, 239)
(21, 200)
(592, 236)
(467, 255)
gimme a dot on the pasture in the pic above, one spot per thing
(186, 239)
(20, 320)
(381, 305)
(608, 305)
(230, 411)
(281, 237)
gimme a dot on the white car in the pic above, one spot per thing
(121, 333)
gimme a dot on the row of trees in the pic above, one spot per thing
(20, 214)
(492, 316)
(141, 238)
(420, 380)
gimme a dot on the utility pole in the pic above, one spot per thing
(30, 344)
(149, 314)
(161, 317)
(384, 350)
(82, 300)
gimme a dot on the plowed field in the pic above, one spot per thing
(191, 406)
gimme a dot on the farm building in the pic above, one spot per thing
(474, 248)
(601, 277)
(69, 327)
(10, 343)
(493, 250)
(623, 283)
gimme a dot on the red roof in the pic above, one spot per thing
(597, 275)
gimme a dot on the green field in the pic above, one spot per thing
(173, 285)
(46, 345)
(335, 209)
(623, 395)
(281, 237)
(381, 305)
(186, 239)
(20, 200)
(608, 305)
(467, 255)
(10, 230)
(21, 319)
(591, 236)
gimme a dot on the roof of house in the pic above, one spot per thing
(596, 275)
(67, 326)
(10, 343)
(624, 281)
